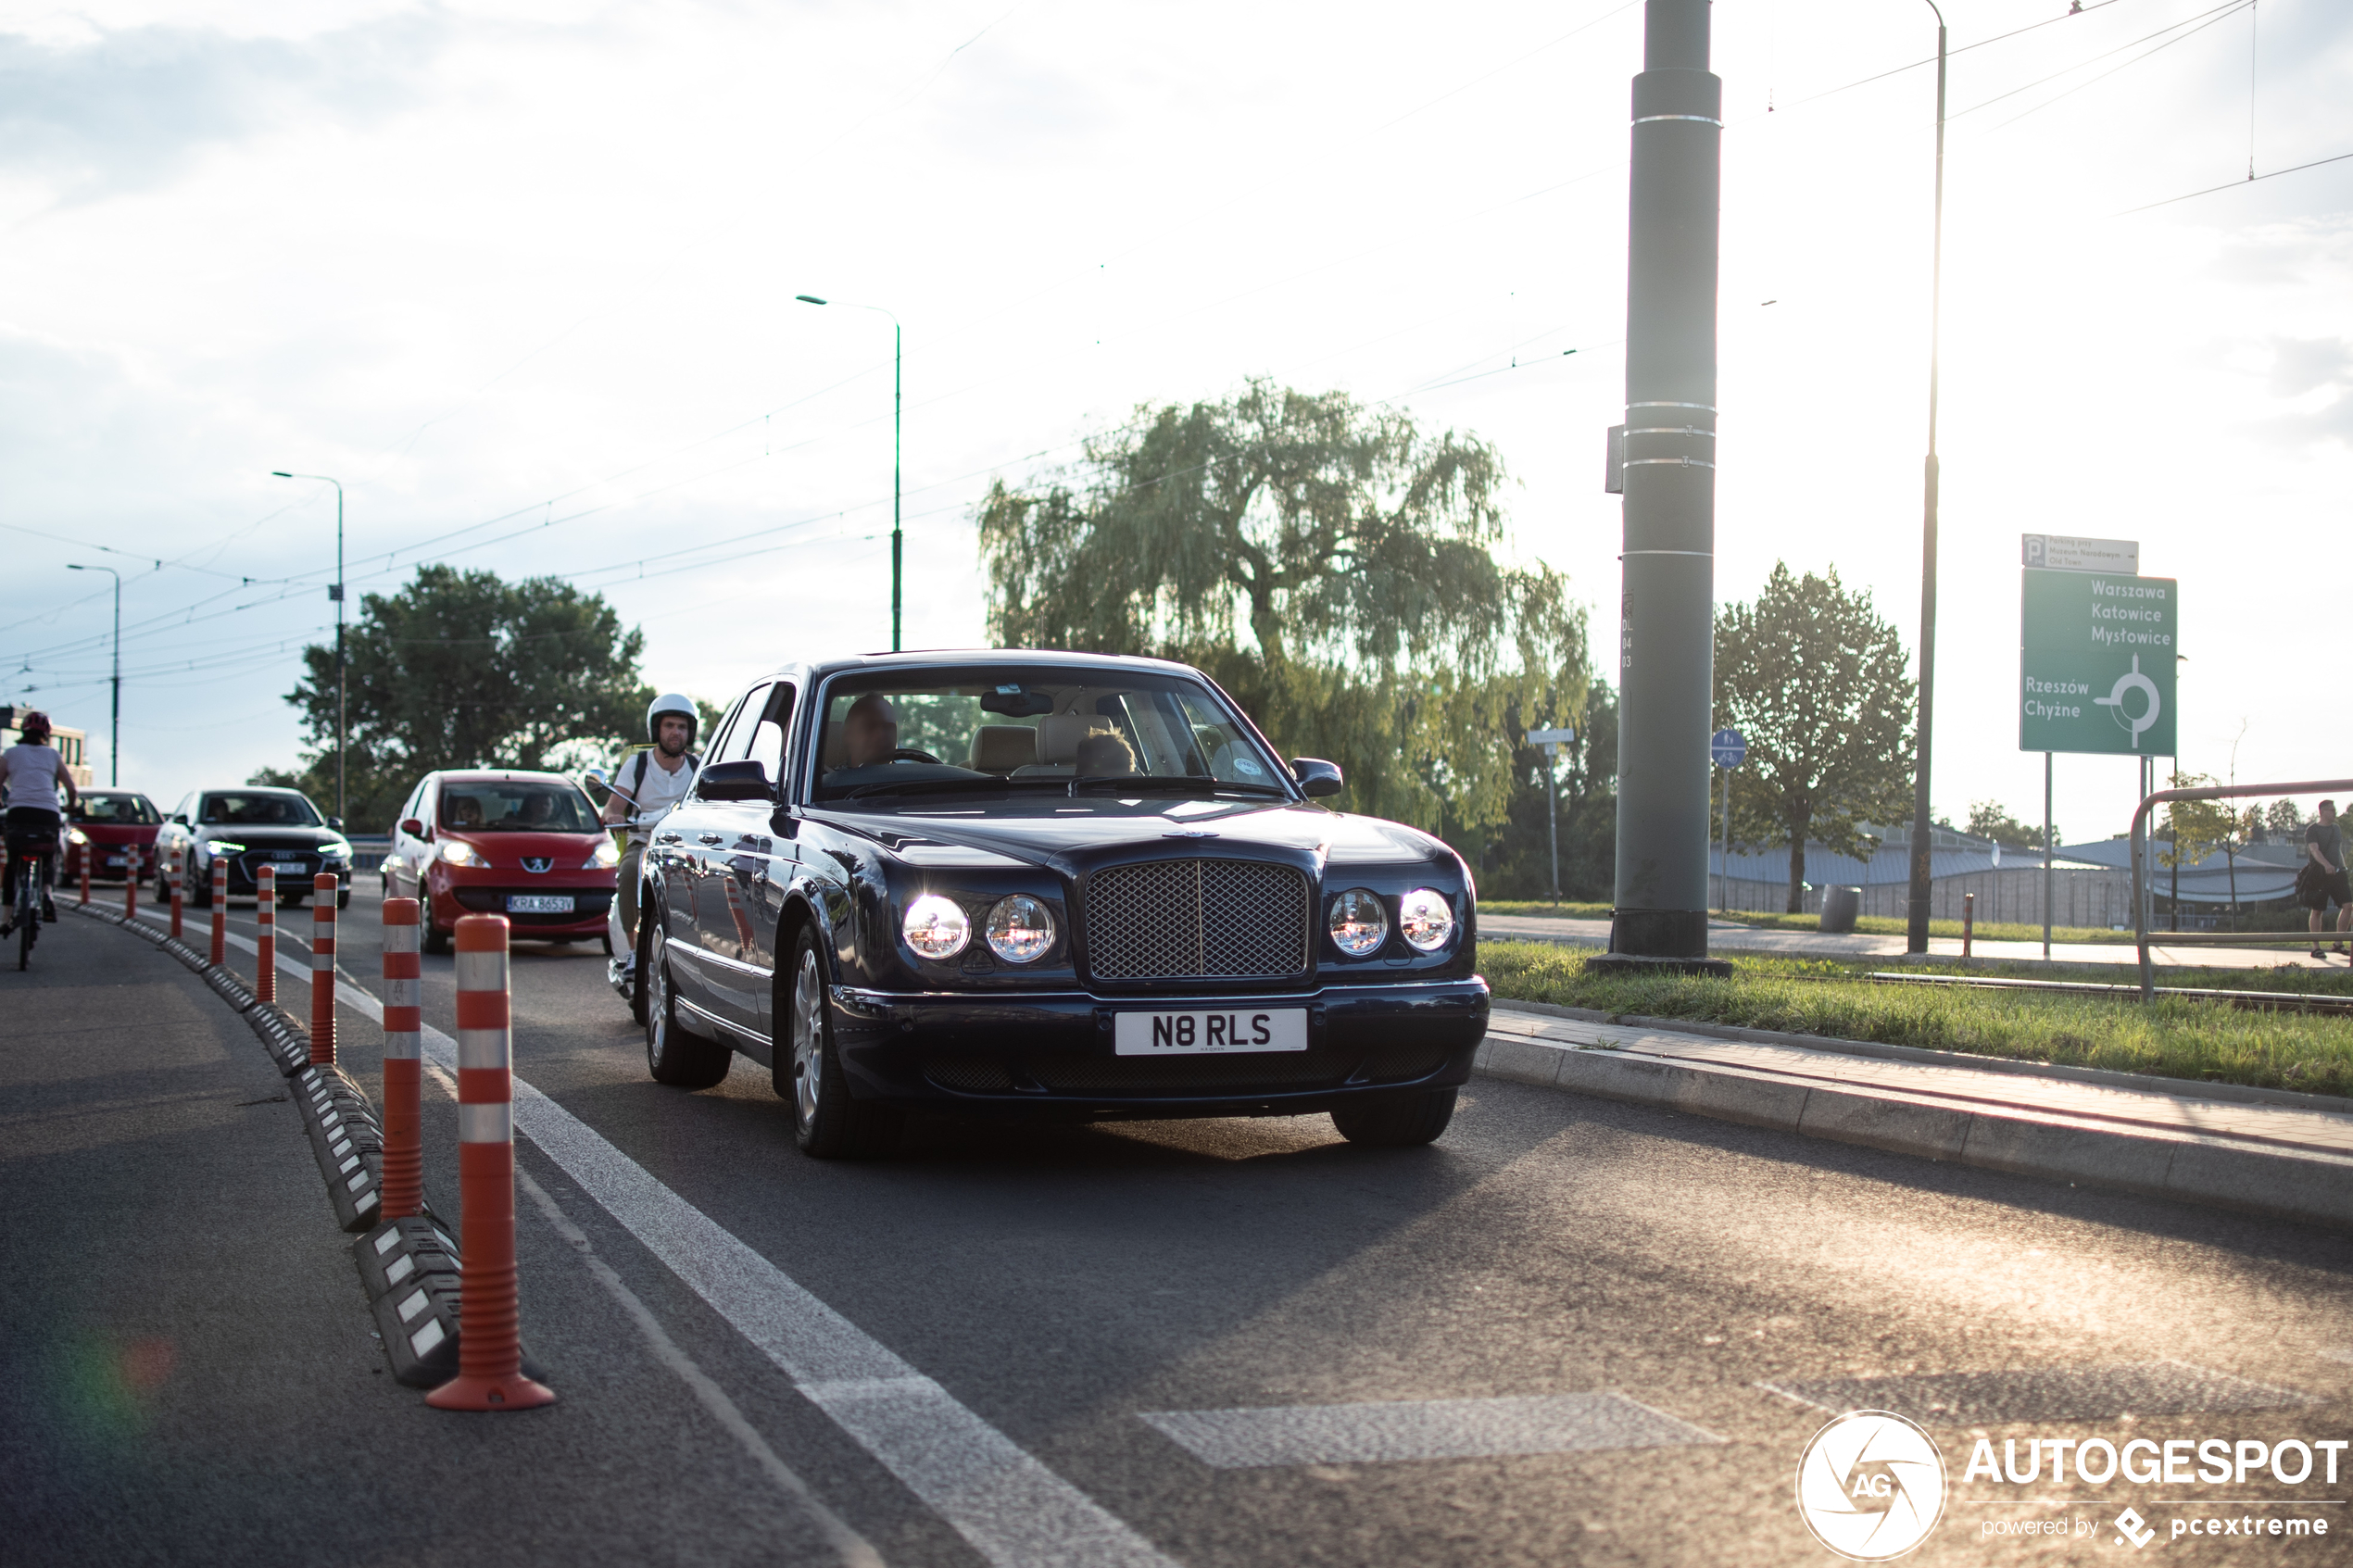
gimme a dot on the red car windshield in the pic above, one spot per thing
(500, 805)
(117, 809)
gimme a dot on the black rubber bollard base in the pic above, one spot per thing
(397, 1251)
(1635, 963)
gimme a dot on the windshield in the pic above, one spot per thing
(499, 806)
(976, 729)
(259, 810)
(128, 811)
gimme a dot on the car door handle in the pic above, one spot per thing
(712, 837)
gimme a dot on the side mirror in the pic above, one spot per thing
(594, 779)
(736, 781)
(335, 824)
(413, 827)
(1316, 777)
(180, 821)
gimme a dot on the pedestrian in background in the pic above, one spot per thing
(2324, 879)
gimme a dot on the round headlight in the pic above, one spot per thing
(1425, 918)
(1359, 924)
(1020, 929)
(936, 927)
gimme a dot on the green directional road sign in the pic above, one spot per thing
(2095, 663)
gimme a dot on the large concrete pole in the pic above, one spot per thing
(1665, 655)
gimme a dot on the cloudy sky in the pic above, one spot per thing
(522, 275)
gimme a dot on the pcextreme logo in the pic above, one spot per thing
(1871, 1486)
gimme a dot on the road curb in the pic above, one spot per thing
(2108, 1077)
(2024, 1141)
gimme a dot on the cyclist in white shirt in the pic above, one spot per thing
(648, 787)
(32, 775)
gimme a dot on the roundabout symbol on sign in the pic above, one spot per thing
(2114, 701)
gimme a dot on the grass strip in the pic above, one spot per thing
(2172, 1037)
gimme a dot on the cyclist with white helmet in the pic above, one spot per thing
(648, 787)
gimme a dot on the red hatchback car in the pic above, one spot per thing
(120, 826)
(526, 845)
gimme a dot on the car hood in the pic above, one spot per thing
(118, 832)
(266, 837)
(510, 850)
(1074, 844)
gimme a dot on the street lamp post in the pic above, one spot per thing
(334, 592)
(897, 539)
(114, 742)
(1916, 927)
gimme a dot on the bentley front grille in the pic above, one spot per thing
(1197, 920)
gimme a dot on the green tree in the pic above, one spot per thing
(1816, 682)
(463, 669)
(1333, 566)
(1989, 819)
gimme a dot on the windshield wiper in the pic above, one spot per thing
(1147, 783)
(939, 786)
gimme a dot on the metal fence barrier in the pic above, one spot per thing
(2208, 938)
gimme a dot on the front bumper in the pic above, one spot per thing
(291, 876)
(587, 919)
(1049, 1052)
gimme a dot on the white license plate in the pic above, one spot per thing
(114, 859)
(540, 903)
(1210, 1032)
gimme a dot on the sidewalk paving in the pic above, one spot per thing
(1731, 936)
(2267, 1150)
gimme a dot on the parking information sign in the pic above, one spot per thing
(2095, 663)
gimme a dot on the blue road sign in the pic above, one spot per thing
(1726, 748)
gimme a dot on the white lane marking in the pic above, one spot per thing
(1421, 1429)
(1016, 1512)
(852, 1548)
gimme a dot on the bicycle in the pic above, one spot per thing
(30, 856)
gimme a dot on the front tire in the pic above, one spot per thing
(202, 894)
(827, 1123)
(1396, 1121)
(673, 1055)
(433, 939)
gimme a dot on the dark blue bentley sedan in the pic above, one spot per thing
(1047, 885)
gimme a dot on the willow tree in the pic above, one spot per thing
(1332, 564)
(1816, 682)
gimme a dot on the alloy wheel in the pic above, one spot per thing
(808, 1036)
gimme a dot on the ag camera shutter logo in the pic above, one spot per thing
(1871, 1486)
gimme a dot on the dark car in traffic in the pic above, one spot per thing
(118, 835)
(248, 826)
(1047, 885)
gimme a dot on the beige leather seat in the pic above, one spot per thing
(1058, 738)
(1001, 748)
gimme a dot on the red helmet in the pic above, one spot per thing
(34, 726)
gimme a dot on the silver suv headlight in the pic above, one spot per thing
(1020, 929)
(1424, 919)
(1359, 925)
(936, 927)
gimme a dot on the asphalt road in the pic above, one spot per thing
(1058, 1287)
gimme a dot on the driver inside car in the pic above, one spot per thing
(872, 728)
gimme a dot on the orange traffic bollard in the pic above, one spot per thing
(219, 910)
(174, 874)
(84, 853)
(265, 944)
(404, 1157)
(322, 970)
(131, 893)
(1969, 923)
(489, 1330)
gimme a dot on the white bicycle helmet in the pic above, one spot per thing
(671, 702)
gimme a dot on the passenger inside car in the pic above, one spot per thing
(1105, 754)
(468, 813)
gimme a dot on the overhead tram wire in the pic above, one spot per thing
(2233, 185)
(2211, 20)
